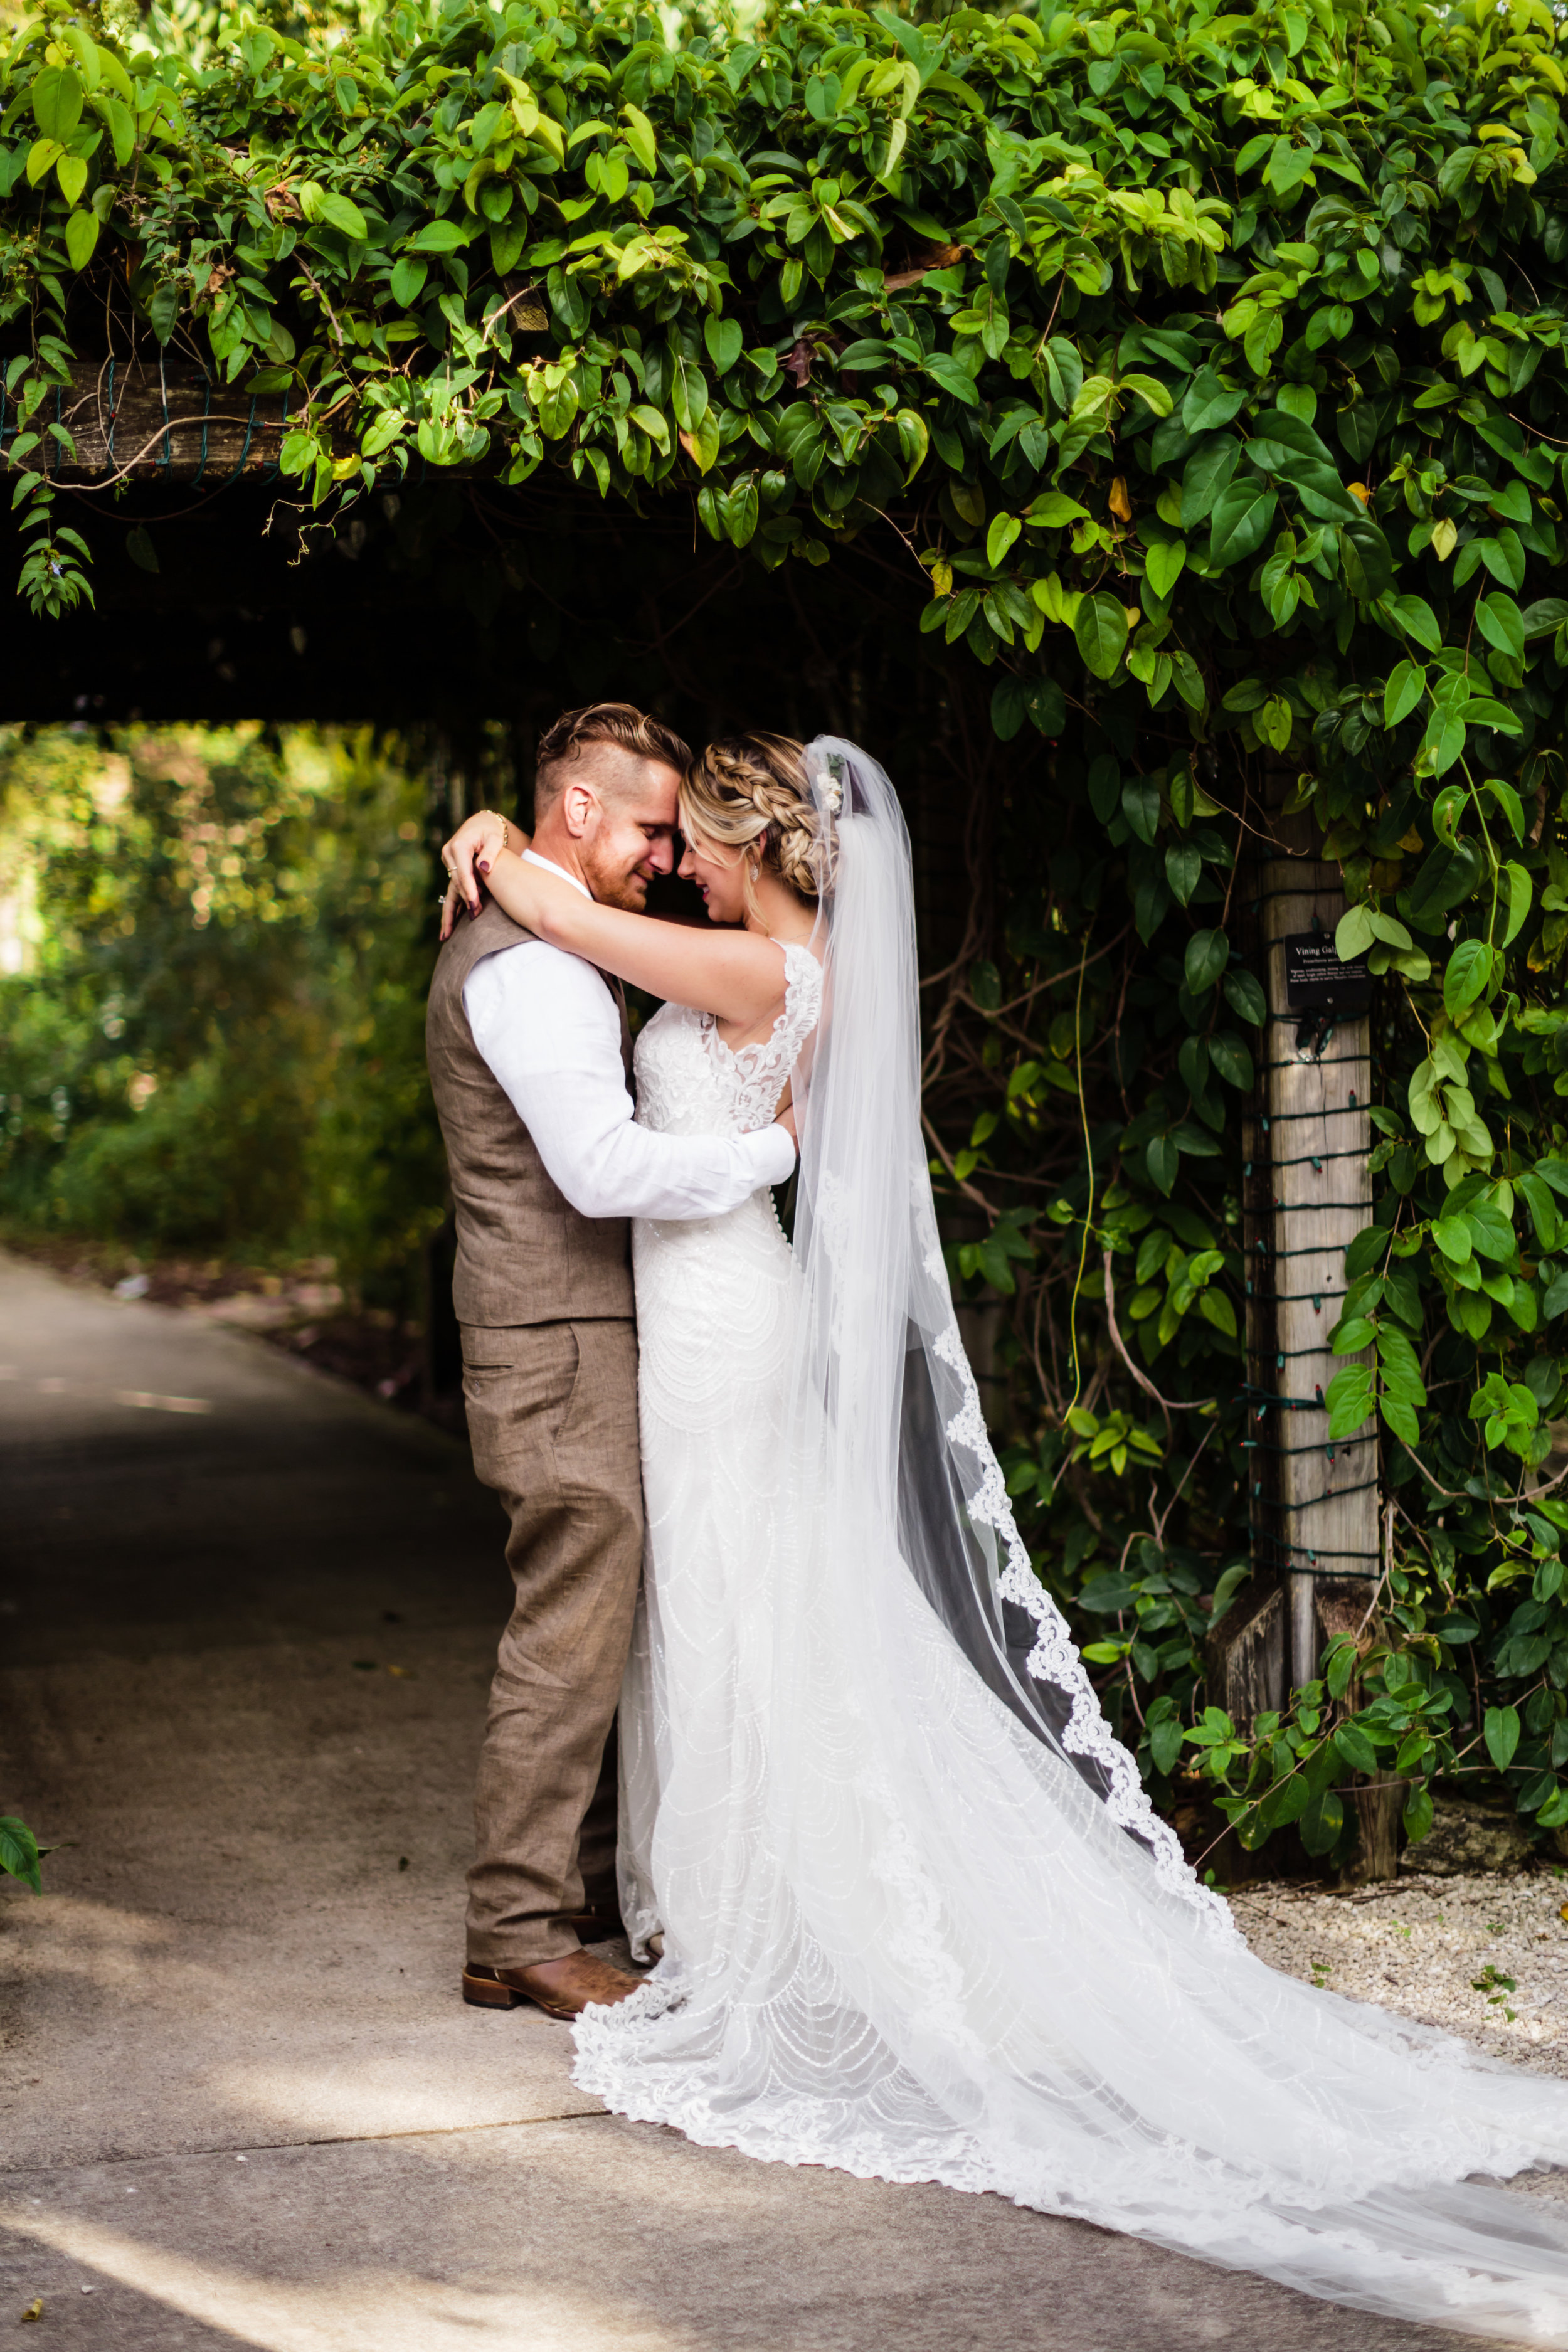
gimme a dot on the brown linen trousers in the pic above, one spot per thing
(550, 1362)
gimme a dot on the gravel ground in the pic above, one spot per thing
(1435, 1949)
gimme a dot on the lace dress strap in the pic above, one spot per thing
(762, 1068)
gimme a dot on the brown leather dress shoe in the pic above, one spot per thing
(560, 1987)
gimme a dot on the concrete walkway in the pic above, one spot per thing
(247, 1625)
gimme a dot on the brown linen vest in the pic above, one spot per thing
(525, 1253)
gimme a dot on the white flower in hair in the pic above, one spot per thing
(830, 792)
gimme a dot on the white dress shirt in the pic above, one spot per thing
(550, 1030)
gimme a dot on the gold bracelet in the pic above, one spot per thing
(505, 834)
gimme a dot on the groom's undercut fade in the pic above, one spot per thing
(588, 741)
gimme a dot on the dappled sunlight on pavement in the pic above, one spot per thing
(243, 1677)
(395, 2312)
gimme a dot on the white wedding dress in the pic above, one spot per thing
(919, 1920)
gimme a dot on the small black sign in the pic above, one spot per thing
(1317, 982)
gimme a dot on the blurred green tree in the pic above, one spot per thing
(211, 994)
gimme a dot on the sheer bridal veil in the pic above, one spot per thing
(1172, 2086)
(906, 1441)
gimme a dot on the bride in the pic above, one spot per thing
(916, 1918)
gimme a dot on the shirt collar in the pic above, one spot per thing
(532, 858)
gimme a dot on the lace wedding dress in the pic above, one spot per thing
(919, 1921)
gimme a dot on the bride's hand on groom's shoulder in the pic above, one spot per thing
(467, 857)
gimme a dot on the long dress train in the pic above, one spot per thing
(919, 1921)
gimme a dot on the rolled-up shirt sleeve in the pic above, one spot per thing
(549, 1032)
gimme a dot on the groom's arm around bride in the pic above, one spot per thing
(529, 1059)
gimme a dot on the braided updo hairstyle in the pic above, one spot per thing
(748, 792)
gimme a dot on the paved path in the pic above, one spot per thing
(245, 1626)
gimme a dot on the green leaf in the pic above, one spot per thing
(1418, 1815)
(408, 279)
(507, 241)
(1280, 438)
(139, 547)
(58, 97)
(1053, 510)
(640, 138)
(1103, 1595)
(1100, 630)
(1232, 1060)
(1366, 560)
(1349, 1398)
(1183, 866)
(1150, 391)
(1163, 1161)
(985, 985)
(723, 338)
(72, 174)
(1140, 806)
(1008, 708)
(1452, 1236)
(689, 395)
(1416, 618)
(1162, 566)
(1207, 954)
(1209, 468)
(559, 403)
(1321, 1822)
(1467, 976)
(1165, 1742)
(950, 376)
(1355, 1748)
(437, 236)
(1501, 624)
(1242, 515)
(81, 236)
(1216, 1309)
(42, 157)
(1245, 996)
(1210, 400)
(1521, 892)
(1546, 616)
(1501, 1733)
(1047, 706)
(19, 1852)
(1354, 933)
(1406, 685)
(1504, 557)
(383, 433)
(1509, 801)
(1004, 529)
(340, 213)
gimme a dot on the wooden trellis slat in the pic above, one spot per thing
(136, 422)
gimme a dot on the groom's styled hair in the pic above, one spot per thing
(576, 736)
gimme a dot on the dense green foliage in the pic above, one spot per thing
(219, 1043)
(1211, 367)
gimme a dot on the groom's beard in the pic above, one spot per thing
(613, 886)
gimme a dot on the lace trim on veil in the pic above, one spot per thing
(1055, 1657)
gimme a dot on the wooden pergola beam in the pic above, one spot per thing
(138, 421)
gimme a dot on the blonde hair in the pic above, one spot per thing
(750, 790)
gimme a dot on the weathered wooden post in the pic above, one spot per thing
(1318, 1144)
(1315, 1150)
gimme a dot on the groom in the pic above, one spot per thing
(530, 1058)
